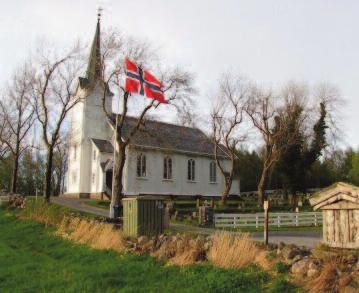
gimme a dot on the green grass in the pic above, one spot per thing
(34, 260)
(102, 204)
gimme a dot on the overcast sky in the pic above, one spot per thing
(269, 41)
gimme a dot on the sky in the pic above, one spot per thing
(269, 41)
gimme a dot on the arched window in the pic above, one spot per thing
(213, 172)
(191, 170)
(141, 165)
(167, 168)
(94, 155)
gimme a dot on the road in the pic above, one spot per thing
(300, 238)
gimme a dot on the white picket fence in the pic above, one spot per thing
(275, 219)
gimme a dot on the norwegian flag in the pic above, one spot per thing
(139, 81)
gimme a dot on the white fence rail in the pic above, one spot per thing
(275, 220)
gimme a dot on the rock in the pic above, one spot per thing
(297, 258)
(312, 273)
(289, 252)
(300, 267)
(142, 240)
(314, 265)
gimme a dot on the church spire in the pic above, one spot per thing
(94, 67)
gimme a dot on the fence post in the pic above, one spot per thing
(266, 220)
(257, 220)
(315, 220)
(234, 222)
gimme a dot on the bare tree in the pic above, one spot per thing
(272, 119)
(53, 96)
(227, 118)
(4, 135)
(18, 118)
(177, 86)
(60, 164)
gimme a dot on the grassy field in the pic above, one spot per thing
(102, 204)
(33, 259)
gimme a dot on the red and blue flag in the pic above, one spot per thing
(141, 82)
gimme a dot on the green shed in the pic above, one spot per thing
(143, 215)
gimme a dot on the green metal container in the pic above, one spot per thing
(143, 216)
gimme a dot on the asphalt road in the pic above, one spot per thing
(300, 238)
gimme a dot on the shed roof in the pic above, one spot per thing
(337, 196)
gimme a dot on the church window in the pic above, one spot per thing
(167, 168)
(141, 165)
(94, 155)
(93, 177)
(191, 170)
(212, 172)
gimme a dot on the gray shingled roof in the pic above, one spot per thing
(104, 146)
(169, 136)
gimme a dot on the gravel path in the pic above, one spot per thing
(301, 238)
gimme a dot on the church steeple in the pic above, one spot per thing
(94, 67)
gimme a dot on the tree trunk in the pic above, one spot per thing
(227, 188)
(117, 190)
(15, 172)
(48, 173)
(59, 182)
(262, 186)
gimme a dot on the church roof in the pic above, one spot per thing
(104, 146)
(157, 134)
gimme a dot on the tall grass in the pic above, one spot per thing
(94, 233)
(232, 251)
(43, 212)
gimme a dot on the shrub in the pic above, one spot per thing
(232, 251)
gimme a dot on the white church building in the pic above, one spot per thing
(162, 159)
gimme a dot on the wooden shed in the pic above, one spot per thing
(340, 206)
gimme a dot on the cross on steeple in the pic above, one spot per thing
(99, 13)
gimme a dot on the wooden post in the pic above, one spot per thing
(266, 220)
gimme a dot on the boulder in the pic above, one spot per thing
(300, 267)
(297, 258)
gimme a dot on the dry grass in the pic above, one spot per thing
(232, 251)
(96, 234)
(189, 252)
(330, 279)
